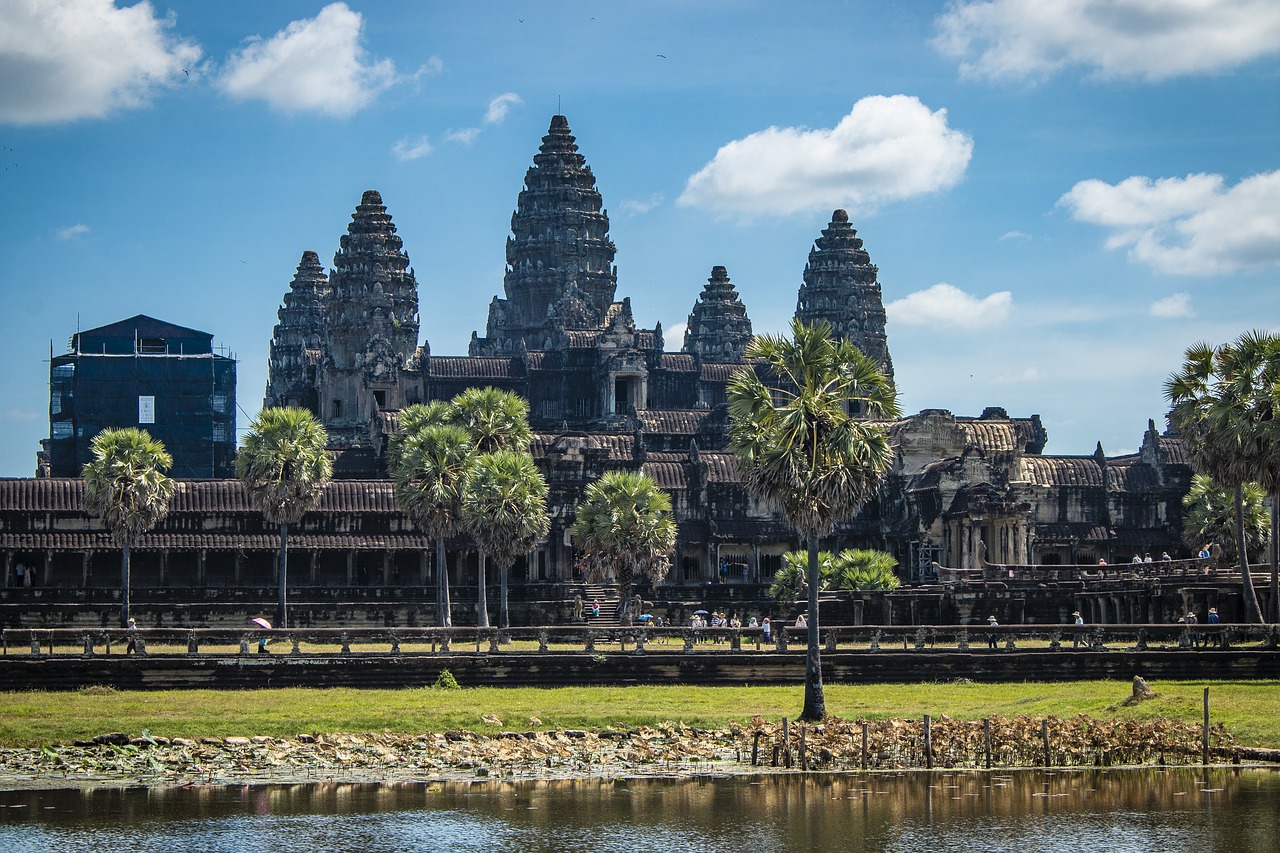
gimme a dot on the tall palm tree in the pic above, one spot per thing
(504, 508)
(1209, 516)
(1222, 404)
(497, 420)
(126, 487)
(429, 473)
(414, 419)
(625, 527)
(284, 468)
(802, 451)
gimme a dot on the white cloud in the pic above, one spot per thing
(466, 136)
(1173, 307)
(500, 106)
(1013, 235)
(1151, 39)
(1188, 226)
(314, 64)
(72, 231)
(412, 149)
(945, 305)
(62, 60)
(886, 149)
(641, 206)
(19, 415)
(673, 336)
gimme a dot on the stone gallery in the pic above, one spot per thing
(604, 393)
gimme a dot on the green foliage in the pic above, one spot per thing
(625, 528)
(504, 504)
(853, 569)
(1210, 516)
(429, 472)
(283, 463)
(125, 485)
(496, 420)
(446, 681)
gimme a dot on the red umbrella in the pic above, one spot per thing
(261, 623)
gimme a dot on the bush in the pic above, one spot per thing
(446, 681)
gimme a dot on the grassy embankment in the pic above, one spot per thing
(1248, 709)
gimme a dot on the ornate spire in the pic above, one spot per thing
(718, 328)
(560, 240)
(840, 287)
(298, 336)
(374, 291)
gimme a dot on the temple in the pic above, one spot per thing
(606, 394)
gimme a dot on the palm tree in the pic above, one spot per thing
(791, 581)
(1209, 516)
(497, 420)
(284, 468)
(126, 487)
(504, 508)
(625, 527)
(429, 472)
(1222, 404)
(412, 420)
(865, 569)
(800, 449)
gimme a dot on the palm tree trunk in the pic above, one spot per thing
(124, 586)
(282, 614)
(444, 615)
(1252, 613)
(482, 598)
(504, 620)
(1275, 555)
(815, 703)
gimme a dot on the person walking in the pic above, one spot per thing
(993, 641)
(1079, 629)
(131, 647)
(766, 631)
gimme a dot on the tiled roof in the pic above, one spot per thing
(86, 541)
(717, 372)
(1175, 449)
(668, 475)
(989, 435)
(582, 338)
(672, 421)
(469, 367)
(1061, 470)
(721, 467)
(645, 339)
(64, 494)
(678, 361)
(1066, 531)
(1132, 478)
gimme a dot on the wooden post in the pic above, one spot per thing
(804, 752)
(755, 749)
(1204, 743)
(775, 755)
(928, 743)
(865, 726)
(1044, 736)
(986, 740)
(786, 742)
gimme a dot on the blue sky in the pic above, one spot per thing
(1061, 195)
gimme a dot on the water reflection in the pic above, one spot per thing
(1122, 810)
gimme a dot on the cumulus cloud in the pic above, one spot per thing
(1175, 307)
(465, 136)
(412, 149)
(1187, 226)
(72, 231)
(62, 60)
(314, 64)
(945, 305)
(500, 106)
(886, 149)
(1149, 39)
(673, 335)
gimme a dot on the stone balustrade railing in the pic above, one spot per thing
(932, 639)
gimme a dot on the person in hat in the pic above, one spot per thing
(1213, 619)
(132, 646)
(1191, 621)
(1079, 623)
(992, 639)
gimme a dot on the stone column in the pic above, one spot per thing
(424, 567)
(164, 566)
(200, 566)
(314, 567)
(386, 568)
(755, 562)
(351, 567)
(85, 556)
(237, 575)
(8, 569)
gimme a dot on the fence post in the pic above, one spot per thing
(986, 740)
(1044, 736)
(786, 742)
(804, 752)
(755, 749)
(865, 726)
(928, 743)
(1204, 741)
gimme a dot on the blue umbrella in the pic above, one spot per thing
(644, 617)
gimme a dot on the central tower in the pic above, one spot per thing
(560, 269)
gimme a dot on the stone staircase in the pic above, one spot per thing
(610, 604)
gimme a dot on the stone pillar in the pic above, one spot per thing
(963, 530)
(164, 566)
(351, 567)
(424, 567)
(386, 568)
(314, 567)
(755, 562)
(85, 557)
(8, 569)
(237, 574)
(200, 565)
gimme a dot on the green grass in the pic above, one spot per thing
(1246, 708)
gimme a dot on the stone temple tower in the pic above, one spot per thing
(371, 333)
(840, 287)
(298, 338)
(718, 329)
(559, 255)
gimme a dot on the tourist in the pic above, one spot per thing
(1137, 558)
(992, 638)
(595, 610)
(734, 621)
(1146, 558)
(801, 622)
(766, 631)
(262, 645)
(753, 622)
(1216, 637)
(1191, 621)
(1165, 558)
(1079, 623)
(1101, 562)
(19, 574)
(131, 647)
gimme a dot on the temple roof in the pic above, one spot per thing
(1061, 470)
(718, 328)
